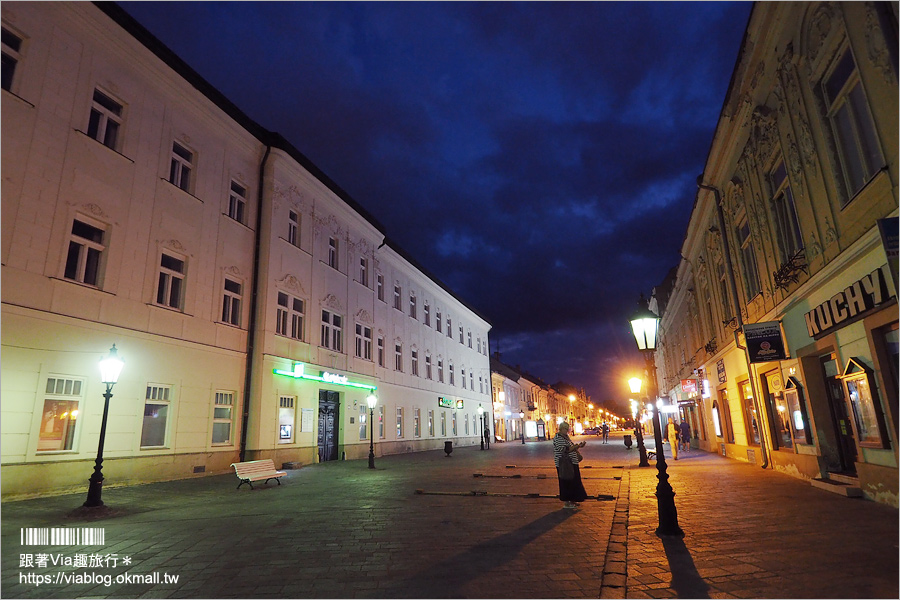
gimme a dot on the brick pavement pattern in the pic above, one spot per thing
(341, 530)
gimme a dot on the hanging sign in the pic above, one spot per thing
(848, 305)
(764, 341)
(445, 402)
(720, 370)
(459, 404)
(689, 386)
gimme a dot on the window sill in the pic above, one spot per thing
(865, 186)
(19, 98)
(183, 191)
(99, 143)
(80, 284)
(232, 325)
(235, 221)
(169, 309)
(286, 241)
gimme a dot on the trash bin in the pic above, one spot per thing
(627, 439)
(448, 447)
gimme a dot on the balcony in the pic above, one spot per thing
(789, 272)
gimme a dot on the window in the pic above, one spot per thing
(231, 303)
(363, 342)
(441, 370)
(333, 253)
(105, 119)
(412, 305)
(466, 420)
(381, 422)
(469, 338)
(426, 310)
(180, 168)
(286, 419)
(364, 271)
(222, 413)
(478, 345)
(480, 384)
(397, 297)
(453, 423)
(293, 228)
(723, 290)
(380, 351)
(237, 202)
(83, 261)
(864, 411)
(427, 366)
(12, 45)
(790, 239)
(437, 320)
(449, 328)
(796, 410)
(156, 414)
(471, 380)
(851, 122)
(399, 421)
(398, 357)
(462, 373)
(417, 422)
(431, 423)
(443, 423)
(170, 288)
(332, 331)
(750, 416)
(289, 316)
(363, 426)
(461, 334)
(379, 286)
(748, 260)
(451, 374)
(415, 362)
(62, 399)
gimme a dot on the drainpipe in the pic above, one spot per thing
(729, 274)
(254, 300)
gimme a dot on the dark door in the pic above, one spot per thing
(842, 426)
(328, 434)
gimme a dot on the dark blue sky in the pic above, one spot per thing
(539, 158)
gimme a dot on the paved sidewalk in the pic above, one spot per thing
(755, 533)
(340, 530)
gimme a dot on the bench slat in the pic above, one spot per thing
(255, 470)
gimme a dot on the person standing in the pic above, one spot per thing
(672, 433)
(571, 491)
(685, 435)
(605, 432)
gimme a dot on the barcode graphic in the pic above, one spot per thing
(63, 536)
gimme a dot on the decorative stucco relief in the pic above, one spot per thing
(875, 45)
(363, 316)
(820, 25)
(332, 301)
(292, 284)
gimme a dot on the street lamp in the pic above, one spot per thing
(522, 416)
(110, 367)
(371, 400)
(481, 414)
(635, 384)
(645, 325)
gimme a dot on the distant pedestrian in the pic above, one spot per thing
(571, 490)
(685, 435)
(672, 432)
(605, 427)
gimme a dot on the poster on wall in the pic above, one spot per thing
(764, 341)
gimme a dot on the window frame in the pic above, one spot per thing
(166, 277)
(161, 396)
(105, 122)
(332, 331)
(784, 212)
(333, 249)
(232, 302)
(293, 235)
(363, 341)
(11, 57)
(237, 202)
(66, 390)
(181, 167)
(84, 264)
(297, 318)
(752, 286)
(217, 406)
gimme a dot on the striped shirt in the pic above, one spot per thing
(561, 444)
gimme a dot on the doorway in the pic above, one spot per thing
(328, 425)
(834, 387)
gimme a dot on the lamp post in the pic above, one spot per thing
(635, 384)
(522, 417)
(371, 400)
(110, 367)
(481, 414)
(644, 325)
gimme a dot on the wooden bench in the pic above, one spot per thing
(254, 470)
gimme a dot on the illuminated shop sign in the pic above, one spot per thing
(459, 404)
(764, 341)
(849, 305)
(689, 386)
(449, 403)
(324, 377)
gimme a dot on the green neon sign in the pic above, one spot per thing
(324, 377)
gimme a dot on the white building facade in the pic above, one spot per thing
(254, 303)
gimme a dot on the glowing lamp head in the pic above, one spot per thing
(371, 400)
(645, 325)
(635, 385)
(480, 411)
(111, 366)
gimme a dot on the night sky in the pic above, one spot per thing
(540, 159)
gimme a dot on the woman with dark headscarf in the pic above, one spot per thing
(571, 490)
